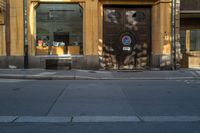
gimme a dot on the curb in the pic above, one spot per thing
(96, 119)
(34, 77)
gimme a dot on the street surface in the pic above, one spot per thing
(102, 106)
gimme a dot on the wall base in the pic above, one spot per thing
(162, 61)
(78, 62)
(11, 61)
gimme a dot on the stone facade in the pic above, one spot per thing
(92, 33)
(189, 18)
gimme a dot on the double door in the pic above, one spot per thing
(126, 33)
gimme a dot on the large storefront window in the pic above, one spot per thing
(195, 40)
(59, 29)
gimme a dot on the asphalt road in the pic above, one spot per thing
(102, 128)
(159, 105)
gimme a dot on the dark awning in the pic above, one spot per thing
(190, 13)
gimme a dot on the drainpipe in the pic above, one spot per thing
(173, 50)
(25, 35)
(7, 21)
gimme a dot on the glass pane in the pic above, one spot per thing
(59, 29)
(112, 16)
(182, 40)
(195, 40)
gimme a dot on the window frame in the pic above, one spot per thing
(188, 41)
(81, 52)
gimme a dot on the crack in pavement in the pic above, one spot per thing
(55, 101)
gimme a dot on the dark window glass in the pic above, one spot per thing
(182, 40)
(195, 40)
(139, 16)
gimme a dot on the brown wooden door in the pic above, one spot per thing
(126, 33)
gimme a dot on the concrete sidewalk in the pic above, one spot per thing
(42, 74)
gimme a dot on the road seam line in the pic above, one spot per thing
(128, 101)
(7, 119)
(140, 118)
(194, 74)
(197, 73)
(17, 117)
(55, 101)
(71, 119)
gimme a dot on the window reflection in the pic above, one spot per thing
(131, 20)
(112, 16)
(59, 29)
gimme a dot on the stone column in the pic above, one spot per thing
(161, 34)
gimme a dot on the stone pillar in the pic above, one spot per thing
(2, 41)
(161, 34)
(2, 28)
(16, 28)
(91, 32)
(12, 55)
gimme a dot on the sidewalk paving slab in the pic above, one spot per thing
(42, 74)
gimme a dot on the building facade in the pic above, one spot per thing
(190, 33)
(108, 34)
